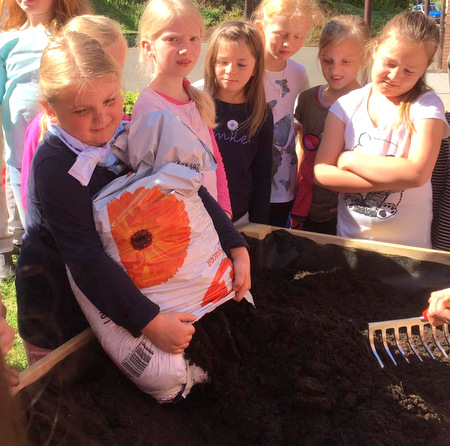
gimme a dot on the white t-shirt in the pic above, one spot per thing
(282, 89)
(402, 217)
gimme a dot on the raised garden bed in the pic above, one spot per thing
(294, 370)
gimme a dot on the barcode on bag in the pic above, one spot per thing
(136, 362)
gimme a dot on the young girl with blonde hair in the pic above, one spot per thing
(234, 71)
(284, 25)
(170, 36)
(109, 33)
(81, 94)
(381, 142)
(342, 53)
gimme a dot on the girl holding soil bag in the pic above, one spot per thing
(109, 34)
(80, 84)
(381, 142)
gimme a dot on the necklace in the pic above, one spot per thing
(280, 86)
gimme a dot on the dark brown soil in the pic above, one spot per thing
(295, 370)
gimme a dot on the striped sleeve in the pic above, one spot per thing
(440, 180)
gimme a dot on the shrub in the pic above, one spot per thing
(378, 17)
(129, 99)
(126, 12)
(212, 16)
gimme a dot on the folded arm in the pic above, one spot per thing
(400, 173)
(326, 171)
(349, 171)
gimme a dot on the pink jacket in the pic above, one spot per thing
(30, 144)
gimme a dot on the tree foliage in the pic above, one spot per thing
(228, 5)
(387, 6)
(126, 12)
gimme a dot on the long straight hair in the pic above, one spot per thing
(241, 33)
(157, 16)
(15, 17)
(420, 30)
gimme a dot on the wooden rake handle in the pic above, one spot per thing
(45, 364)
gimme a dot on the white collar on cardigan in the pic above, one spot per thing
(88, 157)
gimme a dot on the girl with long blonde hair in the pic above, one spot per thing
(381, 142)
(170, 34)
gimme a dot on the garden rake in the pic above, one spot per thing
(397, 326)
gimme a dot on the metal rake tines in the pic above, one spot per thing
(404, 326)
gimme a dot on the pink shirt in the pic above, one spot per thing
(215, 181)
(30, 143)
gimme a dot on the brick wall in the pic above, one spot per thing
(446, 41)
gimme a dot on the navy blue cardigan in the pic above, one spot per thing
(60, 230)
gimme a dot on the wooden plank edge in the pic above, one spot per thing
(45, 364)
(259, 232)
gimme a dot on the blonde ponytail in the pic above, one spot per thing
(204, 103)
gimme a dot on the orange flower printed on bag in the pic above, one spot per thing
(152, 233)
(218, 288)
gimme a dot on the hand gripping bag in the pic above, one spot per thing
(153, 223)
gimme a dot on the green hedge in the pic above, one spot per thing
(126, 12)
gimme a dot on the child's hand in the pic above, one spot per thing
(241, 266)
(2, 308)
(170, 331)
(6, 337)
(438, 307)
(297, 222)
(6, 342)
(12, 376)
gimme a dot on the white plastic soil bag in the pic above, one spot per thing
(154, 224)
(169, 141)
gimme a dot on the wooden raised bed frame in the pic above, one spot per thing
(259, 232)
